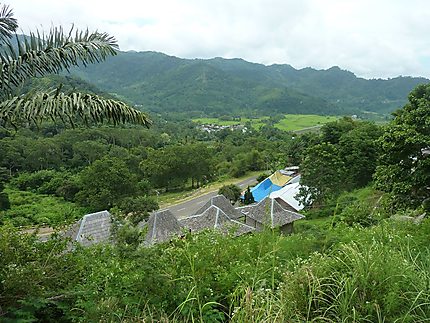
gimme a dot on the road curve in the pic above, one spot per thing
(187, 208)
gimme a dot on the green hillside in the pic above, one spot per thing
(220, 86)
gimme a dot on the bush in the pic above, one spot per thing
(59, 183)
(29, 208)
(138, 208)
(359, 213)
(33, 181)
(261, 177)
(231, 192)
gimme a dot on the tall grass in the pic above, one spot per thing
(321, 274)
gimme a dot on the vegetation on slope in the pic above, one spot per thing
(233, 86)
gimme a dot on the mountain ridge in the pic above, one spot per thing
(216, 86)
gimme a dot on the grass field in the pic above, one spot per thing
(291, 122)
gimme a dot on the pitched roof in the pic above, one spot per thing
(279, 178)
(92, 228)
(288, 195)
(215, 218)
(162, 226)
(271, 213)
(221, 202)
(263, 189)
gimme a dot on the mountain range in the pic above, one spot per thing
(218, 86)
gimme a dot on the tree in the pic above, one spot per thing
(404, 169)
(4, 198)
(39, 54)
(248, 198)
(358, 149)
(322, 173)
(138, 208)
(232, 192)
(105, 183)
(332, 132)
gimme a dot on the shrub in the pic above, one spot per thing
(231, 192)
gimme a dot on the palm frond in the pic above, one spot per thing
(41, 54)
(8, 24)
(37, 107)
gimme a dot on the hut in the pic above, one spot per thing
(162, 226)
(222, 203)
(270, 213)
(93, 228)
(286, 196)
(215, 218)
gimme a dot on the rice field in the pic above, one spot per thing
(291, 122)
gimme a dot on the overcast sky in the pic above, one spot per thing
(372, 38)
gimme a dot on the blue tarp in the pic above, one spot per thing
(263, 189)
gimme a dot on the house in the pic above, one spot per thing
(223, 203)
(275, 182)
(286, 196)
(215, 218)
(93, 228)
(270, 213)
(162, 226)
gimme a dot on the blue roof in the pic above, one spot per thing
(264, 189)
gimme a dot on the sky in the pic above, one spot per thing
(371, 38)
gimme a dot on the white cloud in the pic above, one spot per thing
(372, 38)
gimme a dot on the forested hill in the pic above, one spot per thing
(224, 86)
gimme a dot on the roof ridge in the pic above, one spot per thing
(154, 225)
(271, 211)
(216, 217)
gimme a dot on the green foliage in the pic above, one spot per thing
(321, 273)
(40, 54)
(105, 183)
(404, 168)
(138, 208)
(27, 208)
(59, 183)
(343, 158)
(4, 201)
(4, 198)
(360, 213)
(248, 198)
(219, 87)
(261, 177)
(174, 165)
(322, 173)
(333, 131)
(232, 192)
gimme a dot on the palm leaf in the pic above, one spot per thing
(41, 54)
(37, 107)
(8, 24)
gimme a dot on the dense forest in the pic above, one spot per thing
(220, 86)
(361, 254)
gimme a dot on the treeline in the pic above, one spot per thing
(348, 155)
(105, 167)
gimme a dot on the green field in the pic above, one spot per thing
(291, 122)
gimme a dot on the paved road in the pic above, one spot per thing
(187, 208)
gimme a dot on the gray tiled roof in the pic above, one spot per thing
(92, 228)
(162, 226)
(215, 218)
(223, 203)
(271, 213)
